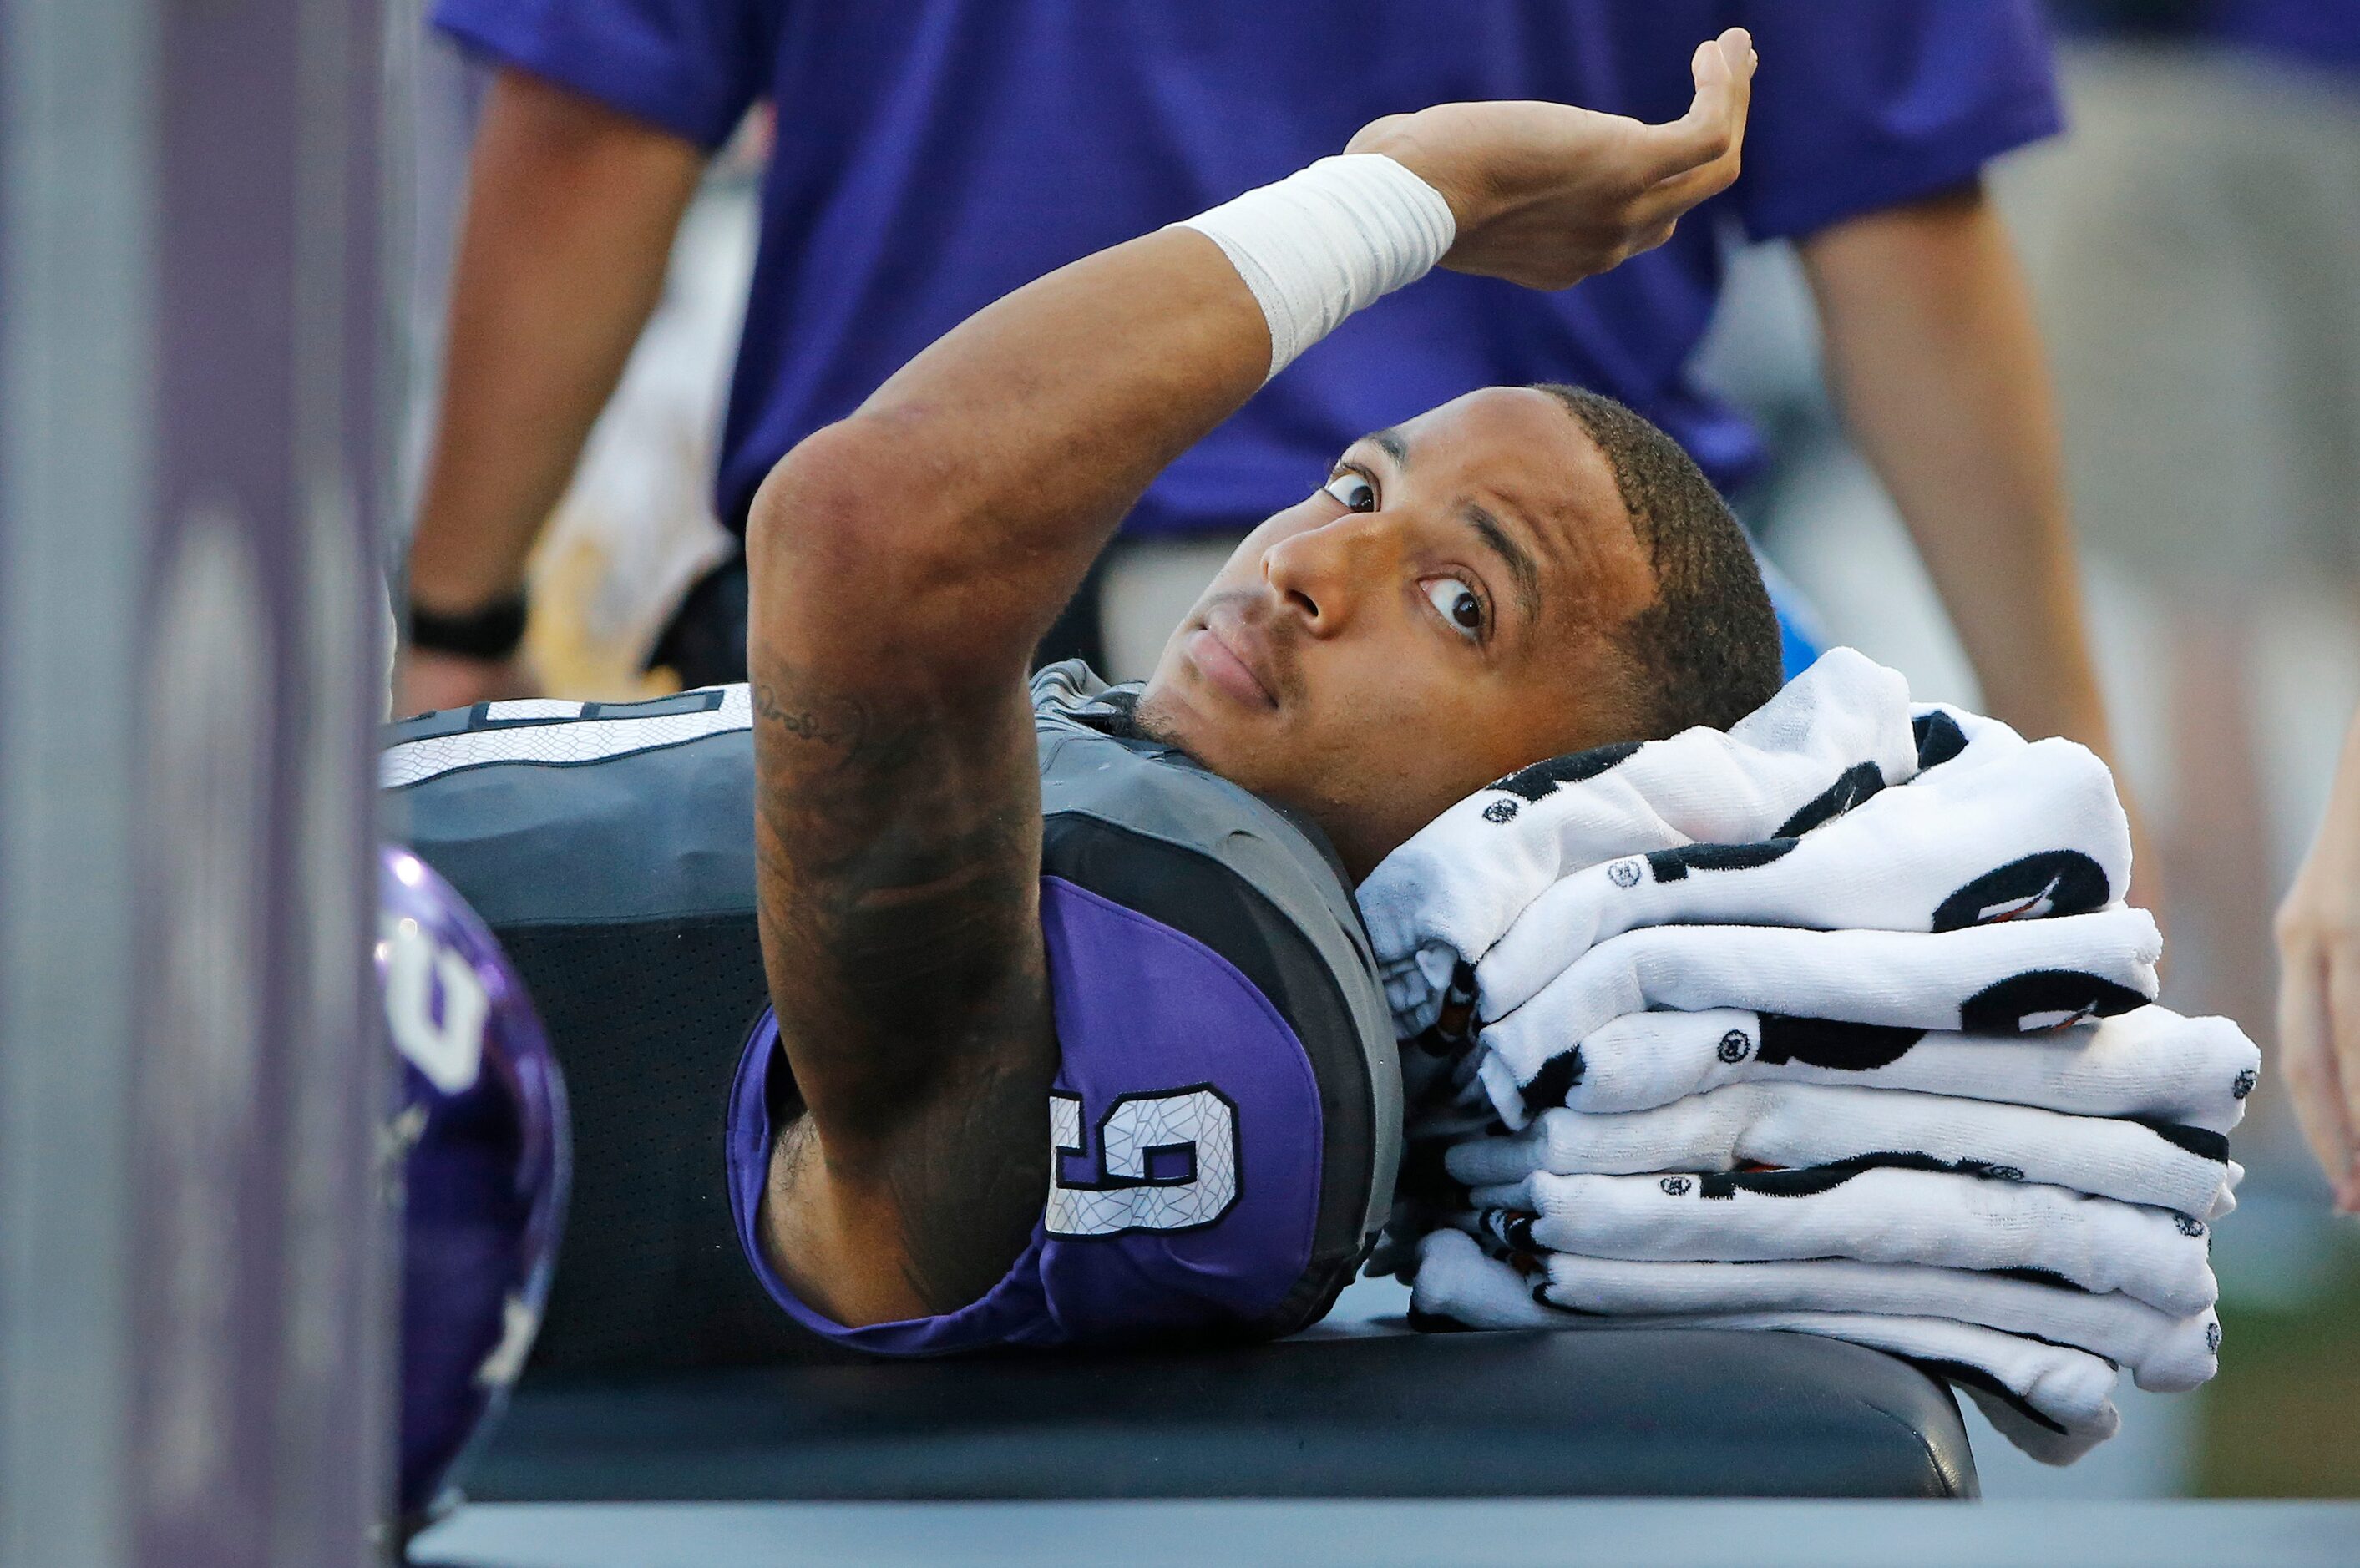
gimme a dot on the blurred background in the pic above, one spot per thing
(215, 218)
(2194, 242)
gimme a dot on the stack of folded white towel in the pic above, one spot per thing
(1835, 1022)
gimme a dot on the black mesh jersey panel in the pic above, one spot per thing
(610, 849)
(647, 1019)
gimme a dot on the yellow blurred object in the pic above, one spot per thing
(567, 573)
(635, 530)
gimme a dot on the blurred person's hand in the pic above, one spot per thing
(426, 680)
(2319, 985)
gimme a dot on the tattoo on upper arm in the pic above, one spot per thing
(899, 850)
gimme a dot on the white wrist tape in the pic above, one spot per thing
(1327, 241)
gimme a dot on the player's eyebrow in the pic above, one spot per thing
(1392, 444)
(1511, 553)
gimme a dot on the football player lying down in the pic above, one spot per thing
(970, 1124)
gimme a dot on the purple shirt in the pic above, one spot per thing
(933, 155)
(2322, 34)
(1184, 1184)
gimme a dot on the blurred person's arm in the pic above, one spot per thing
(2319, 983)
(1934, 359)
(572, 208)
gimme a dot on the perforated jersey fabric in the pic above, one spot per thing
(1183, 1167)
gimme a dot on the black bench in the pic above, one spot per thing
(1340, 1413)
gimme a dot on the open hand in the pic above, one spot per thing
(1547, 194)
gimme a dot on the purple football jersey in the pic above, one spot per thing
(1184, 1173)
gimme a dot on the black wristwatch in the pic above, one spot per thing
(490, 633)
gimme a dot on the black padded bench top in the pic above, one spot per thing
(1631, 1413)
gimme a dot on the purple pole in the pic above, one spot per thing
(193, 1316)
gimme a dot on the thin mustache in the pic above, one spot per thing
(1253, 610)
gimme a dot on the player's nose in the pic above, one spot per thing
(1322, 576)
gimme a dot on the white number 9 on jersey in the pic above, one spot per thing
(450, 1049)
(1165, 1161)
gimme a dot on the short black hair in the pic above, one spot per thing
(1706, 650)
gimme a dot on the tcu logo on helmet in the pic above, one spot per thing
(480, 1140)
(1166, 1162)
(447, 1046)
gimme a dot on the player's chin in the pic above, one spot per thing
(1214, 732)
(1165, 713)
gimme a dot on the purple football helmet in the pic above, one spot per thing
(481, 1115)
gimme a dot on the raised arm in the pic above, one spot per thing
(904, 562)
(571, 213)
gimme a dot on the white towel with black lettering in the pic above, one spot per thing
(1800, 1125)
(2003, 831)
(2149, 1062)
(2166, 1354)
(2053, 1401)
(2016, 977)
(1871, 1212)
(1832, 736)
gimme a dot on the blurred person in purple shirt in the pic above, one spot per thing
(2308, 34)
(932, 154)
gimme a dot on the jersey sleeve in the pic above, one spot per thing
(1186, 1132)
(692, 66)
(1865, 104)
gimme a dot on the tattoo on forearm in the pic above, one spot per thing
(836, 722)
(899, 855)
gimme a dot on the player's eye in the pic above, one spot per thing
(1457, 603)
(1354, 491)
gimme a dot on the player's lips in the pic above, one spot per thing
(1230, 661)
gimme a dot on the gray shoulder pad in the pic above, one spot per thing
(546, 812)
